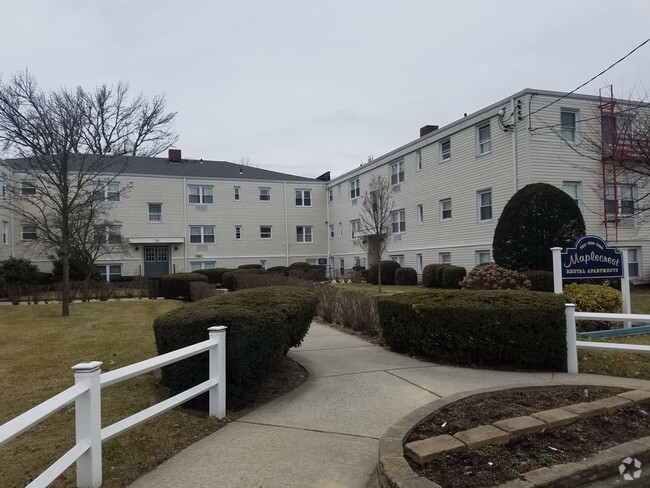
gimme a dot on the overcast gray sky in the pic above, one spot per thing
(305, 86)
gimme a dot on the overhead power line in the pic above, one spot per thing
(590, 80)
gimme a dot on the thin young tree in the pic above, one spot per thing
(65, 142)
(375, 220)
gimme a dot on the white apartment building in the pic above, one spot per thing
(451, 184)
(449, 187)
(177, 215)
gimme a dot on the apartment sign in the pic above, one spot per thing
(591, 258)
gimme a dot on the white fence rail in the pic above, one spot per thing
(573, 344)
(86, 394)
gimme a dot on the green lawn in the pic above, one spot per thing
(38, 348)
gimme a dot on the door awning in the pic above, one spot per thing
(156, 240)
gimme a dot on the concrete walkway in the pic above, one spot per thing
(325, 433)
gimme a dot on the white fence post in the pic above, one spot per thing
(571, 347)
(217, 369)
(88, 424)
(557, 269)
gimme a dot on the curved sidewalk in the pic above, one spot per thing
(325, 433)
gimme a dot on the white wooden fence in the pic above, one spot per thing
(86, 394)
(573, 344)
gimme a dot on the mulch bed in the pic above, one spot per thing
(492, 465)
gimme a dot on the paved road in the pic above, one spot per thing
(325, 433)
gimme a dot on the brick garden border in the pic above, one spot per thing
(393, 470)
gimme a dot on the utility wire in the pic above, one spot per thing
(590, 80)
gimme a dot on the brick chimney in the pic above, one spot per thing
(427, 129)
(175, 156)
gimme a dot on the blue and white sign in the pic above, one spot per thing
(591, 258)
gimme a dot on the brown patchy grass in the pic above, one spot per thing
(371, 289)
(38, 348)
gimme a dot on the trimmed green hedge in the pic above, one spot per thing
(500, 327)
(406, 276)
(178, 285)
(594, 298)
(388, 268)
(452, 276)
(429, 279)
(540, 280)
(229, 279)
(263, 323)
(250, 266)
(214, 275)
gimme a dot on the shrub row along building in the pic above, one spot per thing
(449, 187)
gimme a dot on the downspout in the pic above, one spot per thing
(515, 183)
(186, 266)
(329, 239)
(12, 234)
(286, 223)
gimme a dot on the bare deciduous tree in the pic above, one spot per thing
(376, 220)
(65, 141)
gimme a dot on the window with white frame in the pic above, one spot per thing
(236, 193)
(109, 272)
(27, 188)
(483, 139)
(621, 124)
(445, 209)
(109, 234)
(331, 231)
(420, 214)
(633, 266)
(238, 233)
(398, 258)
(263, 263)
(108, 192)
(199, 194)
(197, 265)
(419, 263)
(340, 229)
(418, 160)
(303, 198)
(5, 233)
(355, 189)
(397, 173)
(330, 195)
(574, 190)
(265, 194)
(445, 150)
(399, 221)
(355, 229)
(154, 213)
(304, 234)
(620, 201)
(444, 258)
(483, 257)
(338, 191)
(29, 232)
(4, 186)
(312, 261)
(484, 204)
(201, 234)
(342, 266)
(568, 125)
(266, 232)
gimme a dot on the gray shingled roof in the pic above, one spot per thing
(190, 168)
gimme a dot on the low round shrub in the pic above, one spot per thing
(178, 285)
(304, 265)
(229, 278)
(214, 275)
(594, 298)
(429, 275)
(488, 327)
(540, 280)
(452, 276)
(278, 269)
(250, 266)
(406, 276)
(494, 277)
(263, 323)
(437, 275)
(388, 269)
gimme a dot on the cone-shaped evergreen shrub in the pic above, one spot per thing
(538, 217)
